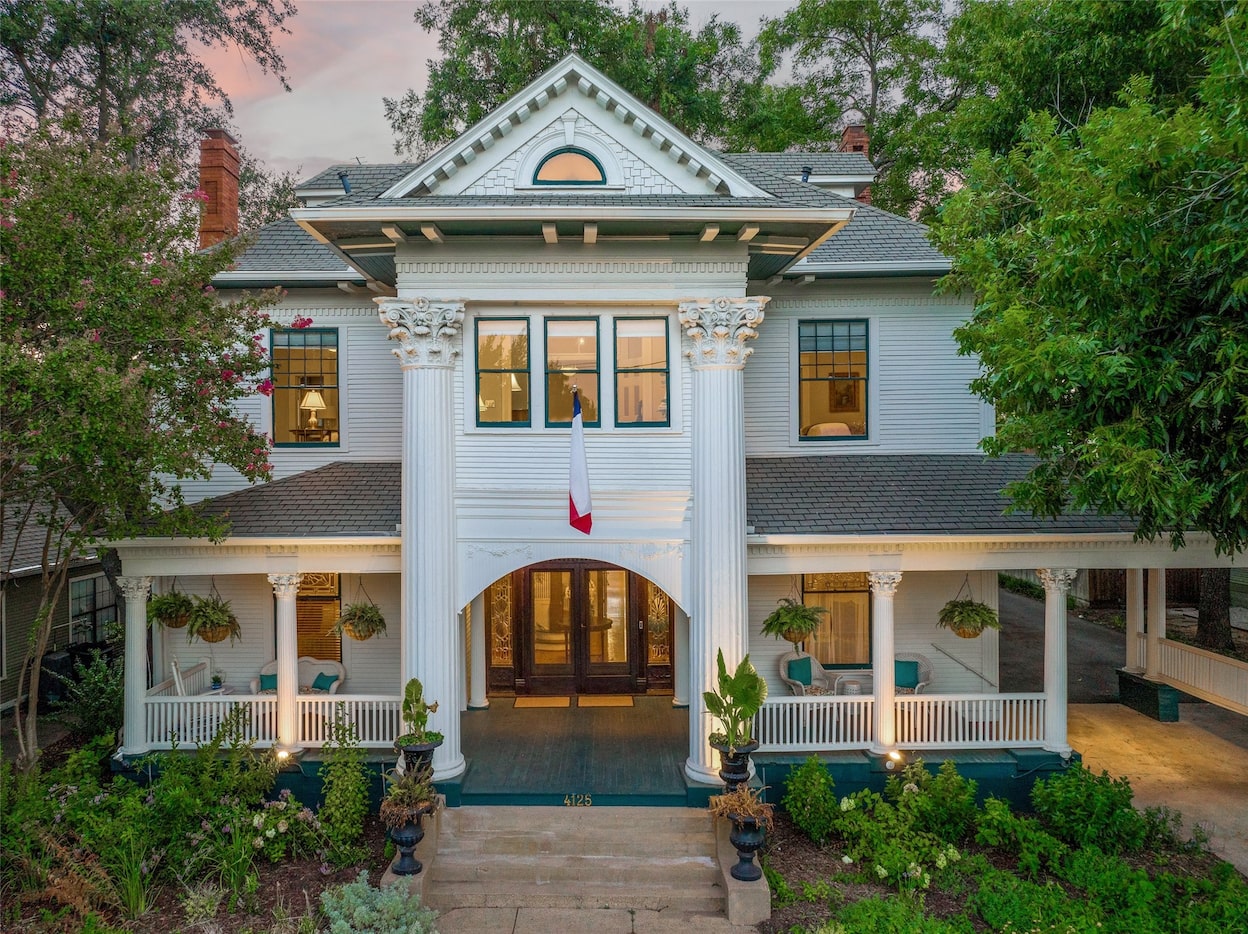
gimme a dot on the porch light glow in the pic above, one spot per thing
(894, 759)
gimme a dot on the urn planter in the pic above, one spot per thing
(747, 836)
(735, 763)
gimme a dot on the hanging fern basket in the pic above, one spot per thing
(968, 618)
(172, 610)
(212, 620)
(360, 621)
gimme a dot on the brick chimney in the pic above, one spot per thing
(218, 178)
(854, 138)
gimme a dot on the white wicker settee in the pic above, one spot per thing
(309, 668)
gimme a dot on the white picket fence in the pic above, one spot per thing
(811, 724)
(1204, 674)
(969, 721)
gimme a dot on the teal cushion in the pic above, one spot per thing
(323, 682)
(906, 674)
(799, 670)
(268, 682)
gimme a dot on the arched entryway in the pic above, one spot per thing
(578, 626)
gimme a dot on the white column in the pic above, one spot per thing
(1135, 617)
(1156, 622)
(680, 654)
(286, 589)
(883, 649)
(717, 330)
(427, 333)
(135, 591)
(1057, 583)
(477, 699)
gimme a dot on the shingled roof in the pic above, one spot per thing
(902, 494)
(853, 164)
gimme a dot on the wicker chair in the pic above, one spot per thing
(867, 683)
(820, 680)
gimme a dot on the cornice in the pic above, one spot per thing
(569, 267)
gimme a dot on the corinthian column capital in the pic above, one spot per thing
(884, 582)
(1057, 580)
(718, 329)
(426, 330)
(285, 585)
(134, 588)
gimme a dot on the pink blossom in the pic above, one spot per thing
(148, 257)
(258, 338)
(227, 375)
(94, 334)
(197, 195)
(208, 289)
(6, 223)
(155, 282)
(265, 387)
(79, 306)
(301, 323)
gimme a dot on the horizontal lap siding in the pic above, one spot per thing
(251, 599)
(373, 665)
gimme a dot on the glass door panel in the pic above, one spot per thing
(607, 624)
(552, 621)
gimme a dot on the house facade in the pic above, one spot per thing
(773, 406)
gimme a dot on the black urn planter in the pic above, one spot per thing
(747, 836)
(406, 839)
(735, 763)
(418, 755)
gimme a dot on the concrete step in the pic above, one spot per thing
(576, 858)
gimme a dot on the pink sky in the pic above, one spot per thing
(342, 58)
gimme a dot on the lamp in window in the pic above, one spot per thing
(312, 402)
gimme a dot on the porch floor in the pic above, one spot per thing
(586, 755)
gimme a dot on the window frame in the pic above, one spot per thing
(561, 183)
(476, 364)
(848, 666)
(546, 371)
(615, 365)
(864, 381)
(96, 624)
(337, 387)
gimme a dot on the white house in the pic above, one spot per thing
(773, 407)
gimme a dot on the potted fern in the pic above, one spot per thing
(739, 697)
(172, 610)
(967, 618)
(360, 621)
(212, 620)
(793, 621)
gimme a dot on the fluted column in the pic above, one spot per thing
(1156, 623)
(135, 591)
(1057, 583)
(1135, 617)
(285, 591)
(883, 675)
(427, 333)
(718, 330)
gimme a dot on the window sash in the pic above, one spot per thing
(92, 603)
(290, 381)
(659, 371)
(844, 637)
(517, 378)
(559, 379)
(833, 360)
(554, 157)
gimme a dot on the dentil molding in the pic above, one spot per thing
(426, 330)
(718, 328)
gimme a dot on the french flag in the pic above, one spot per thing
(579, 505)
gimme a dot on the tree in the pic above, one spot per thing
(120, 365)
(491, 49)
(1109, 264)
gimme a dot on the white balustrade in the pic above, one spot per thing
(1140, 657)
(968, 721)
(191, 721)
(376, 718)
(1207, 675)
(810, 724)
(194, 680)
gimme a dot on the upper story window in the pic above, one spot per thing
(92, 604)
(503, 372)
(305, 387)
(832, 379)
(572, 361)
(843, 640)
(641, 372)
(570, 166)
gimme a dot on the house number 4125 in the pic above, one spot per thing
(578, 801)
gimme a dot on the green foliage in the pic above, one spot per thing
(891, 916)
(416, 716)
(1035, 847)
(210, 614)
(358, 908)
(967, 616)
(793, 617)
(739, 698)
(1085, 809)
(1021, 586)
(782, 894)
(360, 621)
(810, 800)
(171, 607)
(344, 789)
(942, 804)
(409, 795)
(1006, 902)
(93, 703)
(883, 837)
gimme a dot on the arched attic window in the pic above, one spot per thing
(570, 166)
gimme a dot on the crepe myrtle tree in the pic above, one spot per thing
(122, 369)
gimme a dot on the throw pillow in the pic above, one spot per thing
(268, 682)
(800, 671)
(906, 674)
(323, 682)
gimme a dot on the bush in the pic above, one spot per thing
(1034, 846)
(358, 908)
(1007, 903)
(345, 790)
(810, 800)
(1086, 809)
(94, 702)
(891, 916)
(943, 804)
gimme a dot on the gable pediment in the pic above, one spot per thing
(573, 106)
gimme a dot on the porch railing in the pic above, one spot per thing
(1207, 675)
(194, 681)
(375, 716)
(190, 721)
(931, 721)
(810, 724)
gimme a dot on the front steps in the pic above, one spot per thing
(576, 858)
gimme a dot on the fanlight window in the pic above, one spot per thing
(570, 167)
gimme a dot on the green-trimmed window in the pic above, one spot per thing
(843, 639)
(305, 386)
(571, 361)
(503, 372)
(832, 364)
(641, 372)
(570, 166)
(92, 604)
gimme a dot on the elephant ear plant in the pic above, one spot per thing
(734, 705)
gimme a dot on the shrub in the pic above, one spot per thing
(345, 790)
(891, 916)
(1035, 847)
(1007, 903)
(356, 908)
(942, 804)
(810, 800)
(1084, 809)
(94, 702)
(882, 837)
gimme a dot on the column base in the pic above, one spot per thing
(1062, 750)
(707, 775)
(484, 705)
(445, 771)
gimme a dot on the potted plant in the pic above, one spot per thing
(967, 618)
(793, 621)
(417, 743)
(734, 705)
(172, 610)
(360, 621)
(409, 796)
(751, 819)
(212, 620)
(218, 680)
